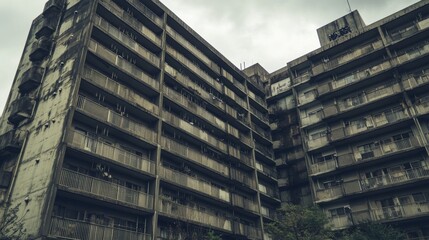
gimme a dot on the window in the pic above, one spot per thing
(329, 182)
(338, 212)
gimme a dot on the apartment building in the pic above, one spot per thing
(123, 123)
(350, 122)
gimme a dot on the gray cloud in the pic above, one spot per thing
(271, 32)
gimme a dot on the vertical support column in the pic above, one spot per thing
(156, 201)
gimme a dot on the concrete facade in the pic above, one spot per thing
(123, 123)
(350, 122)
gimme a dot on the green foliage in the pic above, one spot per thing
(370, 231)
(11, 227)
(212, 236)
(294, 222)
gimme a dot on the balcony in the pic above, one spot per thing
(371, 122)
(407, 30)
(176, 210)
(40, 49)
(119, 62)
(106, 115)
(312, 118)
(194, 155)
(353, 77)
(340, 222)
(194, 68)
(247, 230)
(243, 178)
(422, 106)
(63, 228)
(245, 203)
(399, 211)
(234, 97)
(271, 191)
(201, 186)
(31, 79)
(146, 11)
(412, 53)
(194, 131)
(390, 179)
(106, 150)
(325, 166)
(257, 83)
(132, 22)
(412, 81)
(262, 132)
(127, 41)
(368, 96)
(262, 116)
(317, 142)
(328, 194)
(10, 143)
(46, 27)
(257, 99)
(194, 108)
(329, 64)
(194, 50)
(266, 151)
(53, 6)
(77, 182)
(269, 171)
(21, 109)
(303, 77)
(115, 88)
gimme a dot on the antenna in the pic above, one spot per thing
(350, 8)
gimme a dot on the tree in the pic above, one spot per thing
(294, 222)
(370, 230)
(212, 236)
(12, 227)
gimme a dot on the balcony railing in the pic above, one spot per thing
(10, 143)
(264, 133)
(247, 230)
(329, 193)
(243, 178)
(422, 107)
(394, 178)
(198, 71)
(312, 119)
(270, 171)
(318, 142)
(399, 211)
(348, 56)
(146, 11)
(263, 149)
(75, 229)
(194, 50)
(104, 189)
(107, 150)
(106, 115)
(131, 21)
(340, 222)
(182, 100)
(262, 116)
(114, 87)
(412, 81)
(194, 183)
(304, 77)
(270, 191)
(388, 148)
(242, 202)
(193, 130)
(126, 40)
(21, 109)
(412, 53)
(122, 64)
(257, 98)
(371, 122)
(177, 210)
(408, 30)
(325, 166)
(194, 155)
(360, 75)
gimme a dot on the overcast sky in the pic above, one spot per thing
(271, 32)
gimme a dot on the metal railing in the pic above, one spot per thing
(98, 187)
(194, 131)
(194, 214)
(194, 183)
(126, 93)
(75, 229)
(131, 21)
(122, 64)
(195, 108)
(146, 11)
(260, 115)
(242, 202)
(102, 113)
(109, 151)
(264, 133)
(126, 40)
(194, 155)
